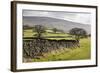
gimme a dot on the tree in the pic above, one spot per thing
(26, 26)
(61, 31)
(39, 29)
(78, 33)
(55, 30)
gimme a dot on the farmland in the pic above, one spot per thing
(48, 34)
(79, 53)
(69, 54)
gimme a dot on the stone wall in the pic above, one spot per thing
(36, 47)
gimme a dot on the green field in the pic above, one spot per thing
(79, 53)
(69, 54)
(48, 35)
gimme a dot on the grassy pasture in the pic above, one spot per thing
(49, 34)
(82, 52)
(69, 54)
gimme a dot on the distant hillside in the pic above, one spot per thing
(55, 23)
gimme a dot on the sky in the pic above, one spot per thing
(79, 17)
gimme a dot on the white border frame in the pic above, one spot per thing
(35, 65)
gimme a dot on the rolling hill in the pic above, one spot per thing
(49, 22)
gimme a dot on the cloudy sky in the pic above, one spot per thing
(80, 17)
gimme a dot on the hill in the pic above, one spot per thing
(49, 22)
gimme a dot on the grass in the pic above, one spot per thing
(47, 35)
(60, 38)
(56, 34)
(82, 52)
(28, 33)
(69, 54)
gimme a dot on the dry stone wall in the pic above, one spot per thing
(36, 47)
